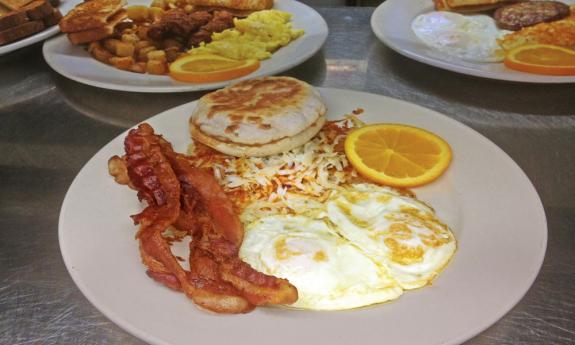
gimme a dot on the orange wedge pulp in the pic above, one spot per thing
(397, 155)
(542, 59)
(210, 68)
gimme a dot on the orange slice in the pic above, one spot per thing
(542, 59)
(397, 155)
(210, 68)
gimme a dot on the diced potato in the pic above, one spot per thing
(125, 49)
(143, 53)
(124, 63)
(99, 53)
(138, 67)
(158, 55)
(188, 8)
(172, 54)
(143, 32)
(130, 38)
(111, 44)
(155, 13)
(156, 67)
(138, 13)
(143, 44)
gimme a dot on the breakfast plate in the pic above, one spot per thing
(65, 7)
(487, 200)
(75, 62)
(391, 23)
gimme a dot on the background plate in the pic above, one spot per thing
(65, 7)
(484, 196)
(391, 23)
(76, 63)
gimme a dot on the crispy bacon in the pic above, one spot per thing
(191, 199)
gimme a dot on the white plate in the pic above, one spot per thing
(484, 196)
(391, 23)
(76, 63)
(65, 7)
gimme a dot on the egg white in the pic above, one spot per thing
(328, 271)
(469, 37)
(399, 232)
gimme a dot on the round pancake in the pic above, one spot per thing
(276, 111)
(258, 150)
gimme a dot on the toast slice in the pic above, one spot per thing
(20, 31)
(249, 5)
(90, 15)
(91, 35)
(38, 9)
(11, 19)
(15, 4)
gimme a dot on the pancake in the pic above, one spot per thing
(258, 117)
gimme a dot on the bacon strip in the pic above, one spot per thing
(193, 201)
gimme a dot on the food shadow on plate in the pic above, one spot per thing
(125, 109)
(470, 91)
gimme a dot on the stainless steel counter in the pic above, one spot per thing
(50, 127)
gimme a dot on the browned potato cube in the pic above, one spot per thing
(130, 38)
(143, 44)
(125, 49)
(156, 67)
(124, 63)
(159, 55)
(172, 54)
(138, 67)
(143, 53)
(138, 13)
(99, 53)
(111, 44)
(142, 32)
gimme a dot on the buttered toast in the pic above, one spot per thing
(96, 34)
(90, 15)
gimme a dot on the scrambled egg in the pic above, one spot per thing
(255, 37)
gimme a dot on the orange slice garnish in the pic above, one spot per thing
(397, 155)
(542, 59)
(210, 68)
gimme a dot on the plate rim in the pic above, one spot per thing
(182, 87)
(438, 63)
(502, 310)
(64, 8)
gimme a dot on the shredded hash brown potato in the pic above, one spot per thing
(287, 182)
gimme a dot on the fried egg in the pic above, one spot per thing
(329, 272)
(364, 245)
(469, 37)
(396, 231)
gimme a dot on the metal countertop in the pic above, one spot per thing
(51, 126)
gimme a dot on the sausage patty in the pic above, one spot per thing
(517, 16)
